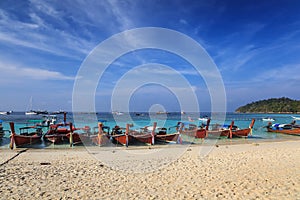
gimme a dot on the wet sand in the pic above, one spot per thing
(265, 170)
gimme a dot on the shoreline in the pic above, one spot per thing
(265, 170)
(65, 147)
(192, 142)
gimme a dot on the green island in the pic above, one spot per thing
(273, 105)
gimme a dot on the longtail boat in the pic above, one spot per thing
(289, 129)
(99, 137)
(191, 130)
(218, 130)
(76, 138)
(163, 136)
(28, 135)
(119, 137)
(57, 133)
(241, 132)
(145, 135)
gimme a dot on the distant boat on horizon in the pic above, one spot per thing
(36, 112)
(6, 112)
(162, 112)
(31, 112)
(117, 113)
(269, 119)
(296, 118)
(203, 119)
(58, 112)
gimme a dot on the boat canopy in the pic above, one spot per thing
(281, 126)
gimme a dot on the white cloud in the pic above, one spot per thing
(182, 21)
(40, 33)
(237, 48)
(281, 75)
(19, 73)
(44, 7)
(121, 14)
(69, 29)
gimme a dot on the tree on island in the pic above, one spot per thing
(273, 105)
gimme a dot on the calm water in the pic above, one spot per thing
(145, 119)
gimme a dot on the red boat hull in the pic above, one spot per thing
(167, 137)
(241, 132)
(197, 133)
(88, 139)
(295, 131)
(57, 138)
(121, 139)
(22, 140)
(218, 133)
(144, 138)
(201, 133)
(58, 133)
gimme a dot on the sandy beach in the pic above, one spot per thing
(267, 170)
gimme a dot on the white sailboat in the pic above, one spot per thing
(30, 112)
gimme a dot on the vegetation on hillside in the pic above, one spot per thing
(273, 105)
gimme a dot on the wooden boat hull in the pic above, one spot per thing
(295, 131)
(167, 137)
(218, 133)
(196, 133)
(201, 133)
(22, 140)
(144, 138)
(100, 140)
(58, 133)
(78, 139)
(88, 139)
(57, 138)
(241, 132)
(121, 139)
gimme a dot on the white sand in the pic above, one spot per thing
(244, 171)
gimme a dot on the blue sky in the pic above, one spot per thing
(255, 45)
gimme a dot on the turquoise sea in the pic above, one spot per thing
(141, 119)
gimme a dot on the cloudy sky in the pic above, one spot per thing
(254, 44)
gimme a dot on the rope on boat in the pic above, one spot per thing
(5, 162)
